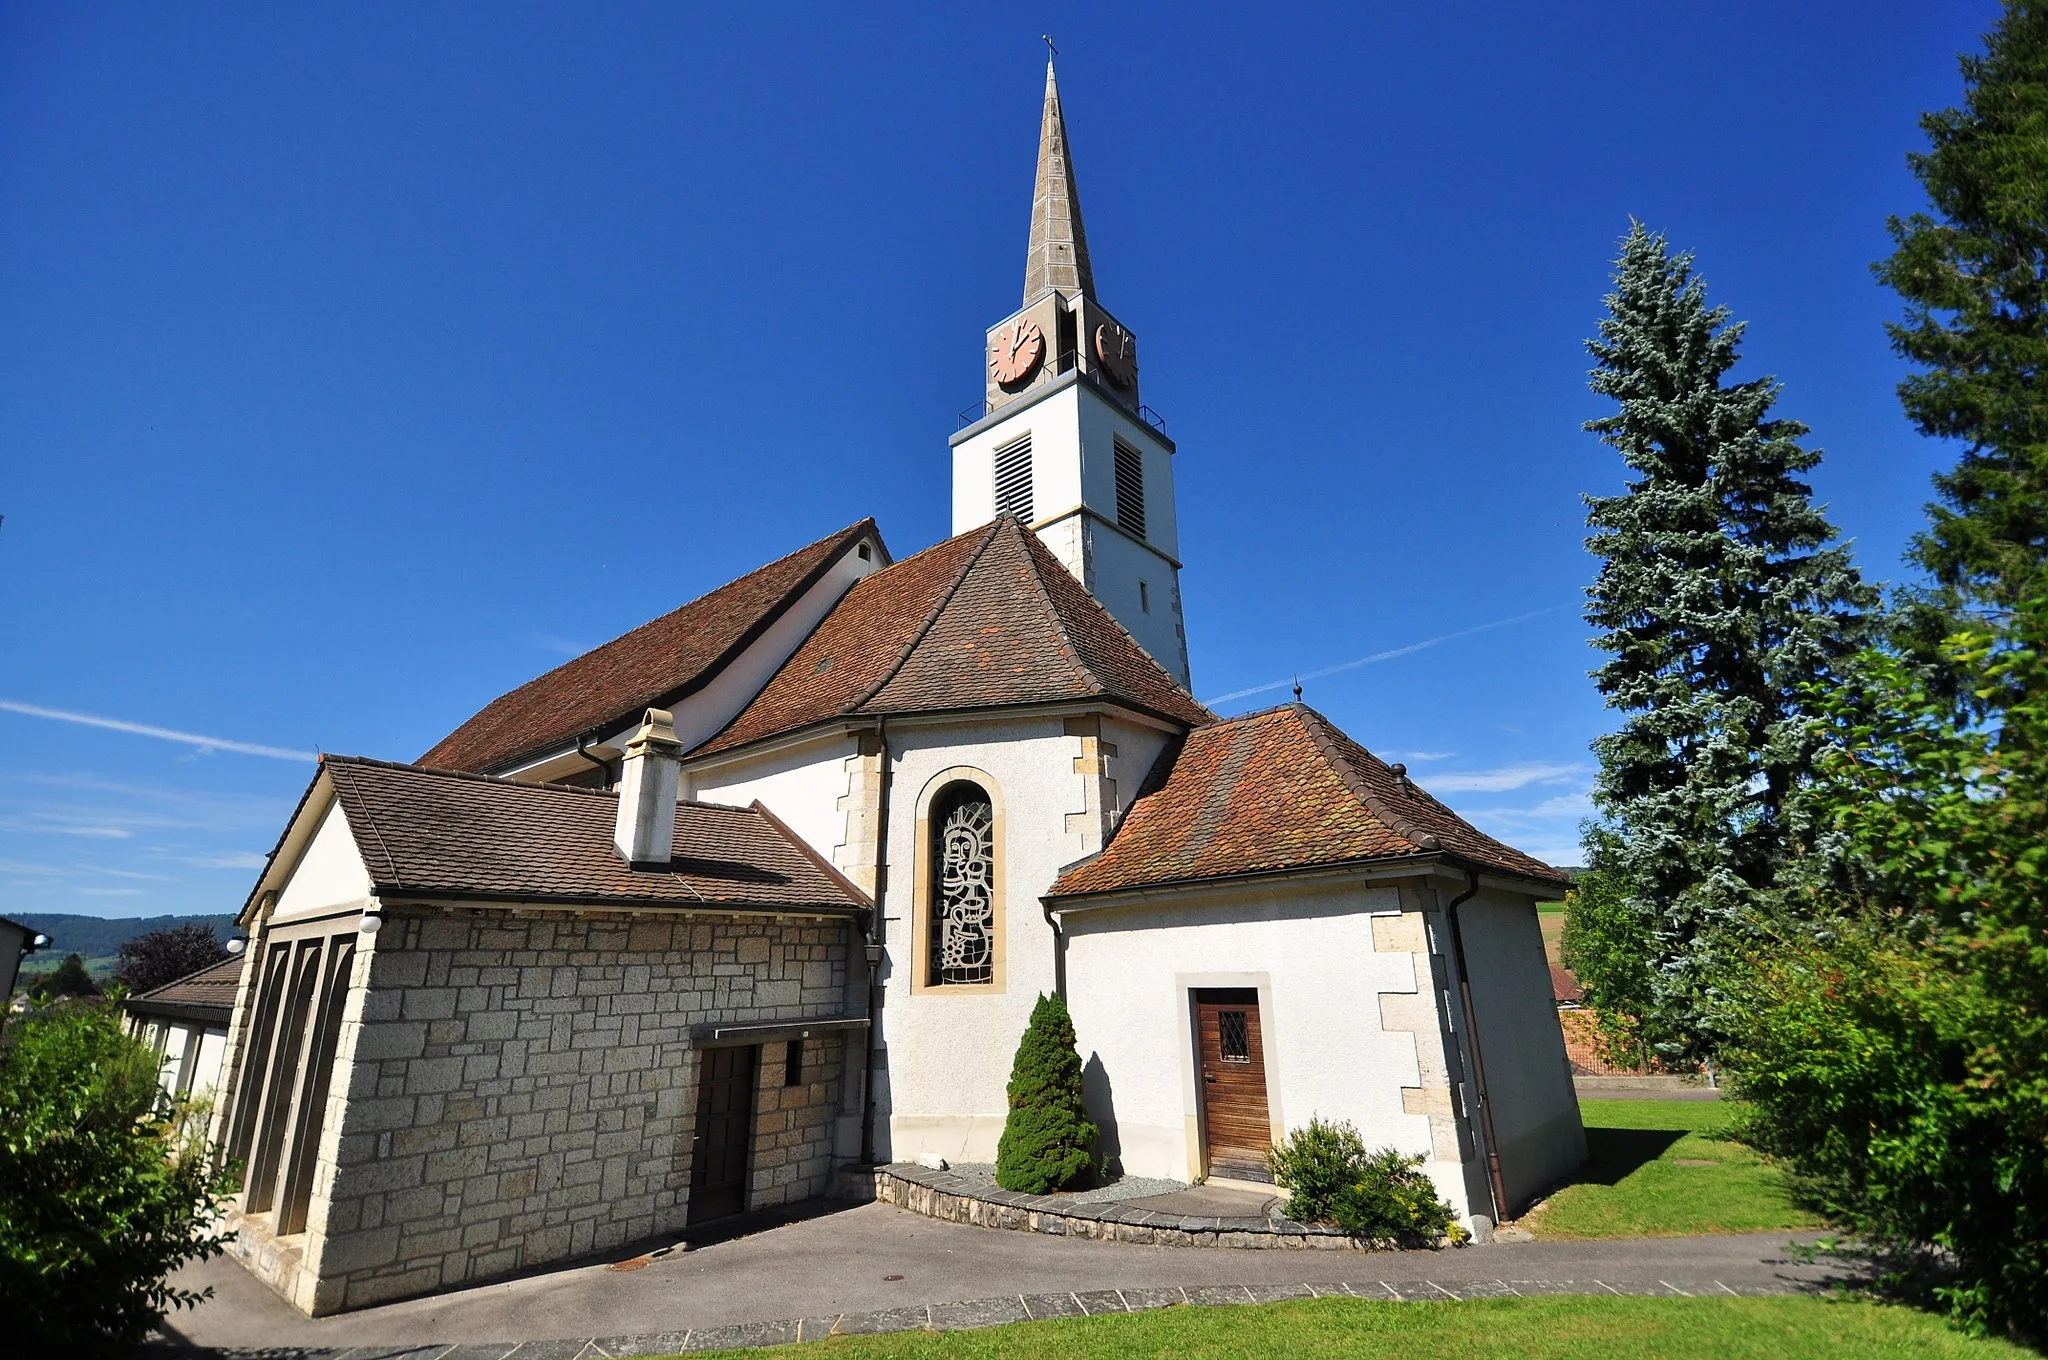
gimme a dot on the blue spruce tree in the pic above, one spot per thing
(1722, 597)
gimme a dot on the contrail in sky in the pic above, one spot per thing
(1387, 655)
(247, 748)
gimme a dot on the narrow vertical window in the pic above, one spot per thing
(1013, 479)
(793, 1063)
(1145, 596)
(1130, 490)
(963, 908)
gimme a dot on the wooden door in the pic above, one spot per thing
(724, 1137)
(1235, 1129)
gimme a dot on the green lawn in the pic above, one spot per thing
(1527, 1329)
(1661, 1168)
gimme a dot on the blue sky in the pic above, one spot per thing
(358, 363)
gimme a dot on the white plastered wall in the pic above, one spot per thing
(329, 873)
(1528, 1075)
(802, 785)
(949, 1052)
(1309, 950)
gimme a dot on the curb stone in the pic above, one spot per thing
(973, 1313)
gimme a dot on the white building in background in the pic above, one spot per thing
(186, 1022)
(770, 885)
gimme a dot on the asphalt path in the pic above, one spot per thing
(875, 1257)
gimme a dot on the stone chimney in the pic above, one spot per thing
(646, 832)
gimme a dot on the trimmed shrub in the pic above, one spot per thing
(1331, 1177)
(1048, 1138)
(102, 1191)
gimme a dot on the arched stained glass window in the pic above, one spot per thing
(963, 904)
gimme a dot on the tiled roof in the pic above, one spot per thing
(1273, 791)
(212, 988)
(655, 665)
(985, 619)
(441, 833)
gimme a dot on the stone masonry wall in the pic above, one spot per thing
(524, 1089)
(793, 1124)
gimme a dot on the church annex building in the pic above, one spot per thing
(768, 886)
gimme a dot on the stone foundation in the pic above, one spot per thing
(924, 1192)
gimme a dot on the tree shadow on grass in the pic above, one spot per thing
(1612, 1154)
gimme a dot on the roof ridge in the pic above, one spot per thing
(1319, 729)
(342, 796)
(505, 781)
(804, 848)
(945, 598)
(443, 772)
(1059, 619)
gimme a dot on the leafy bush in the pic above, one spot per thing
(1331, 1177)
(1898, 1063)
(1048, 1138)
(101, 1193)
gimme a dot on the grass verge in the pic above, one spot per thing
(1528, 1329)
(1665, 1168)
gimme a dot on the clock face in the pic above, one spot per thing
(1118, 353)
(1015, 352)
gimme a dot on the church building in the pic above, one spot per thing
(767, 888)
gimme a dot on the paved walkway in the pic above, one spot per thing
(878, 1268)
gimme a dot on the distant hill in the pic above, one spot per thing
(98, 939)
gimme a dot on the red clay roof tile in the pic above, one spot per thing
(1273, 791)
(444, 833)
(212, 987)
(985, 619)
(655, 665)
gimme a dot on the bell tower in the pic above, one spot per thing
(1061, 440)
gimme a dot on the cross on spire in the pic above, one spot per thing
(1057, 259)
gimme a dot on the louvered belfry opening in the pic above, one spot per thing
(1013, 479)
(1130, 490)
(963, 907)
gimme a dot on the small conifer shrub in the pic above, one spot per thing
(1383, 1196)
(1048, 1138)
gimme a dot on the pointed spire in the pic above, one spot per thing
(1058, 258)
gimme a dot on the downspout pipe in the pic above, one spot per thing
(1059, 949)
(875, 943)
(1493, 1176)
(604, 769)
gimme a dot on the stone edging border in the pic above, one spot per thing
(946, 1197)
(949, 1317)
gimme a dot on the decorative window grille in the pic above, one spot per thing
(1013, 479)
(963, 908)
(1130, 490)
(1232, 1036)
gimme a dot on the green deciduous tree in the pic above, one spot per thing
(1974, 276)
(1721, 597)
(69, 979)
(1898, 1061)
(103, 1192)
(1048, 1140)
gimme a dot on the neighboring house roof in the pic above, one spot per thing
(1564, 988)
(206, 995)
(655, 665)
(986, 619)
(1273, 791)
(439, 833)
